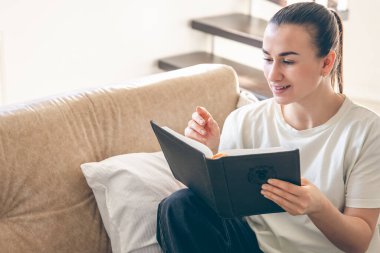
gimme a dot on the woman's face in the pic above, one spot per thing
(291, 65)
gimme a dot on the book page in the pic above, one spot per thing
(195, 144)
(231, 152)
(235, 152)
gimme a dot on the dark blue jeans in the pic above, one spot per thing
(186, 224)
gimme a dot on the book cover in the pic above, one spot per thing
(230, 184)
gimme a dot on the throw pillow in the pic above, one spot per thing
(246, 98)
(128, 189)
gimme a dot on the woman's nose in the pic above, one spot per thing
(274, 73)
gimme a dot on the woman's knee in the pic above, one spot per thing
(181, 199)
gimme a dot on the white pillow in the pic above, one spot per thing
(128, 189)
(246, 98)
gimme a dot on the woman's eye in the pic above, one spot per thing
(267, 59)
(288, 62)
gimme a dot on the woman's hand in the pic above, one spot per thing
(203, 128)
(294, 199)
(350, 231)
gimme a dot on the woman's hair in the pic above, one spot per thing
(325, 27)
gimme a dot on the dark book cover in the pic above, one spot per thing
(231, 184)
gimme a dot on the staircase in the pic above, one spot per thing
(242, 28)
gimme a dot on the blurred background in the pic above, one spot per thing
(53, 46)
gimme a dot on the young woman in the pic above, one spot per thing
(336, 208)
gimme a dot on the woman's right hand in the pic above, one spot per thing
(203, 128)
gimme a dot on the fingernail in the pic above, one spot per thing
(203, 132)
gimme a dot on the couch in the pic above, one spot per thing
(46, 204)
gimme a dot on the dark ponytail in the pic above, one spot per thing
(325, 27)
(339, 61)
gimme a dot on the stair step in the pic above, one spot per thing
(279, 2)
(250, 79)
(330, 4)
(236, 26)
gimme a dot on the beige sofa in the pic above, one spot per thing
(45, 202)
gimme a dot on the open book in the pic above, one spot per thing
(231, 152)
(231, 183)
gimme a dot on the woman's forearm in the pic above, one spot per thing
(351, 231)
(348, 233)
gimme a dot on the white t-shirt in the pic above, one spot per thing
(341, 157)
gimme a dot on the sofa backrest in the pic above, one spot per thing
(45, 203)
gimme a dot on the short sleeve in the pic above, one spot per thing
(363, 183)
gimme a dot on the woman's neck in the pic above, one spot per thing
(312, 112)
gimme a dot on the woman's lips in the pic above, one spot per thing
(279, 89)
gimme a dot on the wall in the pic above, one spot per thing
(52, 46)
(362, 51)
(2, 86)
(47, 47)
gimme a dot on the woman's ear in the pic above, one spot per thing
(328, 63)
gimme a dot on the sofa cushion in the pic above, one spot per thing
(128, 189)
(45, 203)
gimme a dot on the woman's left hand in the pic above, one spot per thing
(294, 199)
